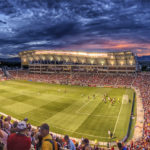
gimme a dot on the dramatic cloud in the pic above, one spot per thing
(89, 25)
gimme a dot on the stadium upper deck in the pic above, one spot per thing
(47, 61)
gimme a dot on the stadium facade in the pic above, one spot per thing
(52, 61)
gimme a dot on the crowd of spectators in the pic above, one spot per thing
(140, 81)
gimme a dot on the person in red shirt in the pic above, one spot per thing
(19, 140)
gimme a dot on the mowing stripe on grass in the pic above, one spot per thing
(69, 112)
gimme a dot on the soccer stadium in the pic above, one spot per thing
(81, 94)
(67, 61)
(74, 75)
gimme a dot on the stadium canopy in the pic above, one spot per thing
(124, 60)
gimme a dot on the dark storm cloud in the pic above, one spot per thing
(76, 25)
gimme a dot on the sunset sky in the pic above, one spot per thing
(81, 25)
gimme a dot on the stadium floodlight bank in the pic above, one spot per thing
(52, 61)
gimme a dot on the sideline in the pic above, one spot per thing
(119, 114)
(117, 119)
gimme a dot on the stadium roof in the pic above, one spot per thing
(74, 53)
(101, 58)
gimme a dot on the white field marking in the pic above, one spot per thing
(125, 99)
(93, 115)
(118, 117)
(96, 115)
(82, 106)
(78, 112)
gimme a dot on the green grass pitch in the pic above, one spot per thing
(67, 109)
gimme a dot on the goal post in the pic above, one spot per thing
(125, 99)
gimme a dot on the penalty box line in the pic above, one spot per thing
(82, 106)
(78, 112)
(96, 115)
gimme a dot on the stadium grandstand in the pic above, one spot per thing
(50, 61)
(98, 99)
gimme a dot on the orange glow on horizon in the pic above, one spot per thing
(116, 45)
(140, 49)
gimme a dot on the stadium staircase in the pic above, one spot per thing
(5, 73)
(133, 80)
(102, 79)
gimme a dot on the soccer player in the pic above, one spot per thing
(113, 100)
(93, 96)
(103, 99)
(109, 132)
(105, 95)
